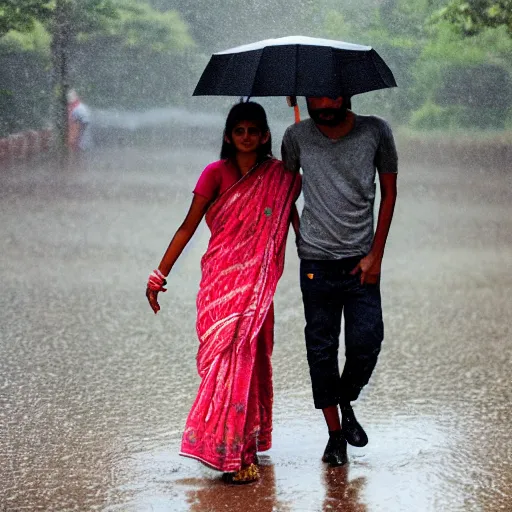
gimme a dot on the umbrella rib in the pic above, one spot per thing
(256, 72)
(296, 69)
(376, 68)
(372, 54)
(220, 83)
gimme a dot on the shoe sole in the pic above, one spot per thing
(357, 445)
(334, 464)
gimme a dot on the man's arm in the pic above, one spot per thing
(290, 152)
(370, 266)
(388, 192)
(291, 161)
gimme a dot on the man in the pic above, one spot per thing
(80, 135)
(341, 255)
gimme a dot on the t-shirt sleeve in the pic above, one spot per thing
(209, 183)
(386, 158)
(290, 151)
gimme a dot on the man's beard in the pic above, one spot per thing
(328, 116)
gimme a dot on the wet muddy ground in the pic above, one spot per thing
(94, 389)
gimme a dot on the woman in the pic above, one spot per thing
(248, 200)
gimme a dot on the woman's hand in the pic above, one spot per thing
(152, 296)
(156, 283)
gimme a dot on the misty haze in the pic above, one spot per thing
(101, 145)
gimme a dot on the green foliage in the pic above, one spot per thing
(434, 117)
(121, 53)
(448, 46)
(20, 15)
(84, 15)
(25, 91)
(336, 26)
(139, 59)
(142, 60)
(37, 40)
(470, 17)
(137, 25)
(144, 53)
(471, 73)
(135, 22)
(444, 79)
(94, 12)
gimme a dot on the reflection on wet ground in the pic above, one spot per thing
(94, 389)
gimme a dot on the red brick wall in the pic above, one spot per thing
(25, 145)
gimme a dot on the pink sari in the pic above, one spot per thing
(231, 418)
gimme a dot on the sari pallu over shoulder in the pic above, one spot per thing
(245, 258)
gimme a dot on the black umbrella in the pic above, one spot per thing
(295, 66)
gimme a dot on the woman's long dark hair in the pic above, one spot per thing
(249, 111)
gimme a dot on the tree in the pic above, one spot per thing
(432, 64)
(25, 89)
(64, 20)
(117, 52)
(21, 14)
(470, 17)
(69, 18)
(139, 59)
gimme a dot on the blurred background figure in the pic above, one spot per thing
(80, 133)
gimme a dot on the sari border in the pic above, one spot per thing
(211, 465)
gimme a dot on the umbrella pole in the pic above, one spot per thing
(292, 102)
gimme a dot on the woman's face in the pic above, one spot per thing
(247, 137)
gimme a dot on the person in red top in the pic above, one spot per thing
(248, 201)
(80, 137)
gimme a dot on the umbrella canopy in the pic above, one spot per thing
(295, 66)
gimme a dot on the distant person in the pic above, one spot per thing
(247, 199)
(341, 255)
(79, 120)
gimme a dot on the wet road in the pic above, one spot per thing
(94, 389)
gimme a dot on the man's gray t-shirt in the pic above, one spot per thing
(339, 184)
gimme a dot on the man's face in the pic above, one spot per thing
(327, 111)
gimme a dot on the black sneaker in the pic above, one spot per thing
(336, 450)
(352, 430)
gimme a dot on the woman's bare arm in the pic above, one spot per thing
(179, 241)
(184, 233)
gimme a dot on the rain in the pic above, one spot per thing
(95, 389)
